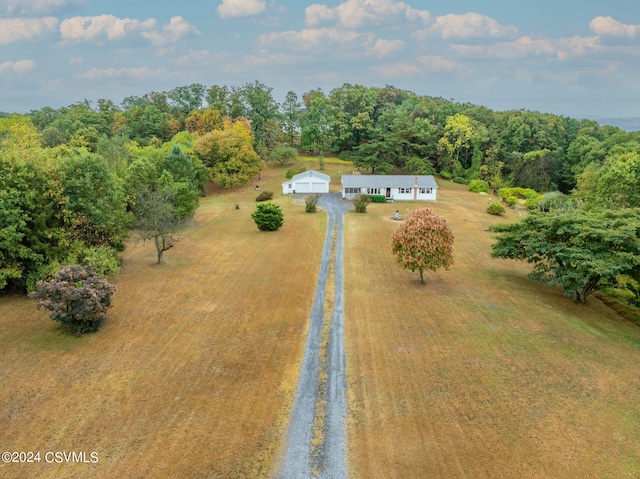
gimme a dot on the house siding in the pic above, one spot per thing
(402, 187)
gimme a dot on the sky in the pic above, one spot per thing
(577, 58)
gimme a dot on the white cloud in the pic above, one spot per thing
(142, 73)
(383, 48)
(241, 8)
(436, 63)
(467, 25)
(523, 47)
(177, 28)
(317, 39)
(361, 13)
(195, 57)
(36, 7)
(25, 29)
(612, 27)
(21, 66)
(76, 61)
(99, 27)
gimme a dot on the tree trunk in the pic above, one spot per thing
(421, 276)
(159, 249)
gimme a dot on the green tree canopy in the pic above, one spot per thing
(576, 249)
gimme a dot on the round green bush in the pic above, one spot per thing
(495, 209)
(478, 186)
(268, 217)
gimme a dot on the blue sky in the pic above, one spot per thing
(577, 58)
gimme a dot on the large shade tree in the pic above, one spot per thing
(575, 249)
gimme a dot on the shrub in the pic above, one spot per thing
(75, 297)
(478, 186)
(311, 202)
(495, 209)
(264, 196)
(553, 199)
(268, 217)
(360, 203)
(295, 170)
(321, 162)
(378, 198)
(512, 195)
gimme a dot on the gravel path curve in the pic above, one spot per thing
(302, 460)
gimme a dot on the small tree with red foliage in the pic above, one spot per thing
(423, 242)
(76, 297)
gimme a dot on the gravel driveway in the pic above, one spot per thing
(328, 459)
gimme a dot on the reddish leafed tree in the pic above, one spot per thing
(423, 242)
(76, 297)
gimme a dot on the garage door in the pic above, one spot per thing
(318, 187)
(303, 187)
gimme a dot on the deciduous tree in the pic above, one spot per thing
(229, 154)
(423, 242)
(575, 249)
(158, 216)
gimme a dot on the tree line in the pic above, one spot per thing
(75, 180)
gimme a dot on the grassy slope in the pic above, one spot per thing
(481, 373)
(196, 366)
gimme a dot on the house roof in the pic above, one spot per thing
(310, 173)
(388, 181)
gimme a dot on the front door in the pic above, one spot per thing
(388, 192)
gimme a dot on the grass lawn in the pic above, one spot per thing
(195, 369)
(480, 372)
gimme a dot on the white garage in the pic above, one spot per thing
(307, 182)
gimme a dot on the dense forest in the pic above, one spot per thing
(75, 180)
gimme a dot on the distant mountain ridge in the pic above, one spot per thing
(627, 124)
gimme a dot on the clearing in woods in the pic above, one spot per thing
(479, 373)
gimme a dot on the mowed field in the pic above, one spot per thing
(194, 371)
(480, 372)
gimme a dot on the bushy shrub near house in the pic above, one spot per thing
(360, 203)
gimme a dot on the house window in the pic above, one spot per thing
(351, 191)
(373, 191)
(425, 191)
(404, 190)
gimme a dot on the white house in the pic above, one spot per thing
(307, 182)
(393, 187)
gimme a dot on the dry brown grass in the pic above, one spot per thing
(481, 372)
(195, 369)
